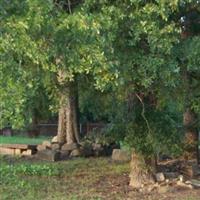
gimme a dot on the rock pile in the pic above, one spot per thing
(54, 151)
(183, 175)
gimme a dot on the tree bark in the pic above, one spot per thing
(191, 133)
(68, 131)
(142, 171)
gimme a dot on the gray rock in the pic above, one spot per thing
(55, 146)
(27, 152)
(48, 155)
(75, 153)
(64, 155)
(54, 139)
(195, 183)
(69, 147)
(183, 185)
(41, 147)
(46, 143)
(160, 177)
(119, 155)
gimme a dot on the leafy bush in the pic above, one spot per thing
(11, 171)
(100, 137)
(163, 137)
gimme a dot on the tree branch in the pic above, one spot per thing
(143, 113)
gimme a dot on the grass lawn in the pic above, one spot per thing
(77, 179)
(69, 180)
(22, 140)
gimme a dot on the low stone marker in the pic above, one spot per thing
(19, 146)
(47, 143)
(75, 153)
(41, 147)
(7, 151)
(160, 177)
(49, 155)
(17, 149)
(69, 147)
(121, 156)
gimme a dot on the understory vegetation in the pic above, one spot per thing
(71, 180)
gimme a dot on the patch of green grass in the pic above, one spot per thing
(22, 140)
(77, 179)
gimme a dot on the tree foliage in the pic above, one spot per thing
(134, 50)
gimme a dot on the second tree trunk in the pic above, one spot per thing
(68, 120)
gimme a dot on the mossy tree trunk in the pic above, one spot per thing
(142, 171)
(68, 131)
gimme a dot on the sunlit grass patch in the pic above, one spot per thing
(22, 140)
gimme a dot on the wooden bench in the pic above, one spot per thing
(17, 149)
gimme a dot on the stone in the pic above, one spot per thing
(41, 147)
(167, 180)
(55, 146)
(46, 143)
(69, 147)
(181, 178)
(27, 152)
(54, 139)
(160, 177)
(188, 182)
(108, 149)
(18, 151)
(75, 153)
(195, 183)
(49, 155)
(64, 155)
(18, 146)
(119, 155)
(7, 151)
(184, 185)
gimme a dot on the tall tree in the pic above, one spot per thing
(59, 40)
(146, 35)
(189, 62)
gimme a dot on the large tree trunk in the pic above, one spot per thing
(68, 131)
(142, 171)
